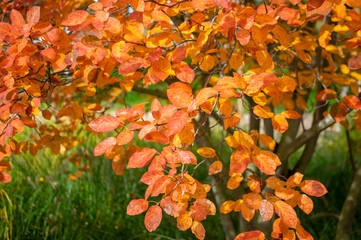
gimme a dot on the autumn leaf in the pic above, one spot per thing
(227, 207)
(252, 235)
(266, 210)
(153, 217)
(352, 102)
(215, 167)
(198, 230)
(305, 203)
(105, 124)
(287, 213)
(313, 188)
(338, 111)
(75, 18)
(141, 158)
(206, 152)
(105, 146)
(137, 206)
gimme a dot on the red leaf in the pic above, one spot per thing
(141, 158)
(4, 165)
(153, 217)
(352, 102)
(137, 206)
(75, 18)
(105, 124)
(326, 94)
(287, 213)
(5, 177)
(105, 146)
(314, 4)
(313, 188)
(252, 235)
(338, 111)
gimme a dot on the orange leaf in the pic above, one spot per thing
(252, 235)
(273, 183)
(279, 123)
(247, 213)
(137, 206)
(352, 102)
(141, 158)
(179, 97)
(239, 161)
(287, 213)
(184, 73)
(266, 210)
(75, 18)
(267, 141)
(177, 122)
(263, 111)
(291, 114)
(198, 230)
(105, 146)
(33, 15)
(17, 19)
(206, 152)
(313, 188)
(294, 180)
(215, 168)
(105, 124)
(207, 63)
(227, 207)
(305, 203)
(125, 137)
(184, 221)
(266, 162)
(153, 217)
(232, 121)
(252, 200)
(243, 36)
(157, 136)
(204, 94)
(338, 111)
(170, 207)
(160, 185)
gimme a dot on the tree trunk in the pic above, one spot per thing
(349, 208)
